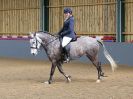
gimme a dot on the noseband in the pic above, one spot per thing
(33, 47)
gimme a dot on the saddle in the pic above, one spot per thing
(75, 39)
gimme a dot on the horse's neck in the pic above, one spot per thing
(50, 44)
(46, 37)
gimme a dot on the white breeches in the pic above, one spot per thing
(65, 41)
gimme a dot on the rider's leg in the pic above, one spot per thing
(66, 40)
(67, 54)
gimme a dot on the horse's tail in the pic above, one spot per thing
(108, 56)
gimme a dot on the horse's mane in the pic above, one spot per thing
(52, 34)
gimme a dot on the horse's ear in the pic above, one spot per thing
(31, 34)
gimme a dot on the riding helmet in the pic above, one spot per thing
(67, 10)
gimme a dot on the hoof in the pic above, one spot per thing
(69, 79)
(47, 82)
(67, 60)
(98, 81)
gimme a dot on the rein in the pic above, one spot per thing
(51, 41)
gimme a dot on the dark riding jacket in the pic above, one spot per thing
(68, 28)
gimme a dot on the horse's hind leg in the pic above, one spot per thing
(97, 64)
(100, 69)
(59, 66)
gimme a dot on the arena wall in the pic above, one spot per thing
(121, 52)
(92, 17)
(128, 27)
(19, 17)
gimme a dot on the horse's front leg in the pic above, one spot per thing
(68, 77)
(51, 73)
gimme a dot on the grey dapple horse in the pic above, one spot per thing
(83, 46)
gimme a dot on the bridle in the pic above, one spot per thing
(36, 45)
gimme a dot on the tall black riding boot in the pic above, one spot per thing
(67, 55)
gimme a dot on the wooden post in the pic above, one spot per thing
(123, 20)
(120, 21)
(44, 15)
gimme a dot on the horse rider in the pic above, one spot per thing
(67, 32)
